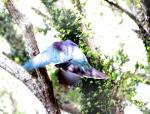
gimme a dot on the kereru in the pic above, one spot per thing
(67, 56)
(67, 78)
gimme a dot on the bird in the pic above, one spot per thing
(68, 58)
(66, 78)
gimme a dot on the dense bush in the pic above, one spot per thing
(97, 95)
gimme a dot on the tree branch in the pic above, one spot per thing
(133, 17)
(46, 89)
(144, 28)
(19, 73)
(143, 76)
(26, 27)
(40, 13)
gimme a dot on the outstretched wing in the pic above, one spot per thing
(82, 69)
(68, 56)
(58, 52)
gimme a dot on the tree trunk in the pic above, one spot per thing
(146, 7)
(45, 93)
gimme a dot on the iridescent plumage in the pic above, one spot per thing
(65, 55)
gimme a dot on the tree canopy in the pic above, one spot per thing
(117, 25)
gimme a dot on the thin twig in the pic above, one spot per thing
(40, 13)
(132, 16)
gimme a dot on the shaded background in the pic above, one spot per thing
(106, 35)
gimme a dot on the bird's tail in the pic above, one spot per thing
(93, 73)
(38, 61)
(28, 65)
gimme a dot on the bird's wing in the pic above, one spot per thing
(67, 78)
(78, 63)
(83, 69)
(57, 53)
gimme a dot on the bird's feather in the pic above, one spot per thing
(56, 53)
(67, 56)
(83, 69)
(67, 78)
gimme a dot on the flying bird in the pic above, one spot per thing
(67, 78)
(67, 56)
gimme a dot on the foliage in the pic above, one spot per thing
(147, 46)
(67, 22)
(63, 94)
(8, 31)
(108, 91)
(142, 106)
(97, 95)
(94, 95)
(137, 8)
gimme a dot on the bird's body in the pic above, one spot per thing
(67, 78)
(67, 56)
(57, 53)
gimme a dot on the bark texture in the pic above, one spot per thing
(45, 89)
